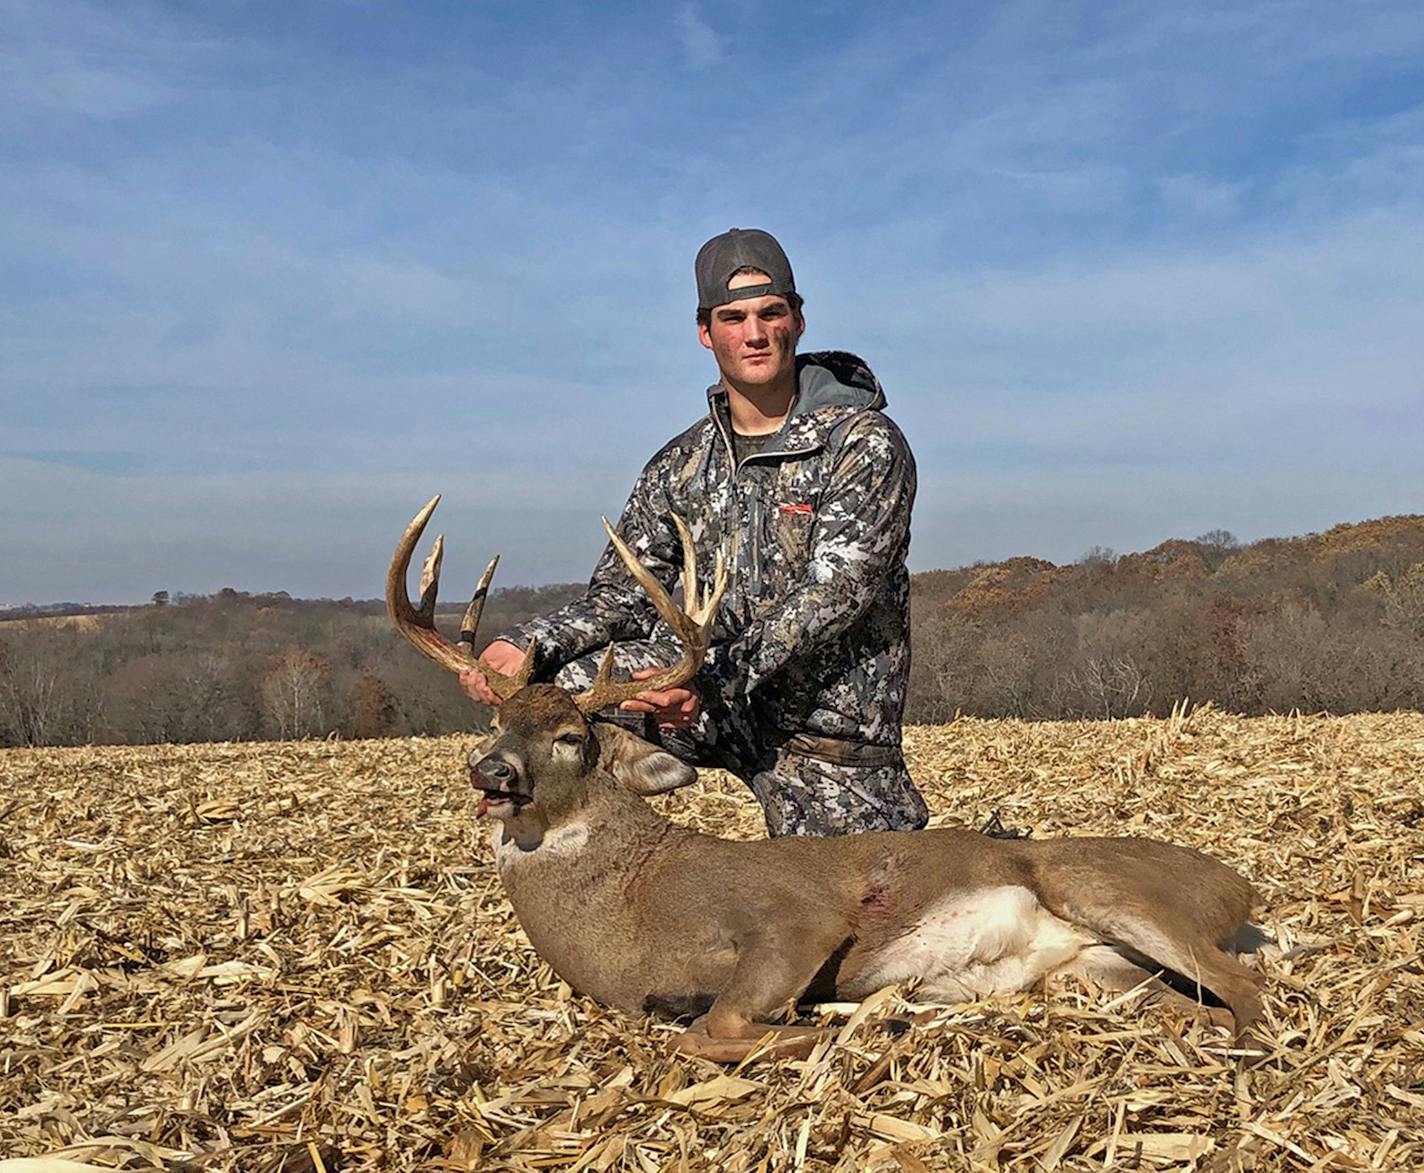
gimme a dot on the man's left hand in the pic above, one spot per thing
(672, 708)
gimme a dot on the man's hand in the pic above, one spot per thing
(672, 708)
(504, 658)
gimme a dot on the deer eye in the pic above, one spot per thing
(569, 739)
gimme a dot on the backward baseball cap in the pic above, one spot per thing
(735, 249)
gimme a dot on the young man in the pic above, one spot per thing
(806, 486)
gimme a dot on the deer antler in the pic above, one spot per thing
(417, 623)
(692, 625)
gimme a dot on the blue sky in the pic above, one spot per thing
(271, 273)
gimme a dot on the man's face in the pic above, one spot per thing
(753, 340)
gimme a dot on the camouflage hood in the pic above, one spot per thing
(831, 385)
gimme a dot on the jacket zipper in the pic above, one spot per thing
(752, 522)
(755, 520)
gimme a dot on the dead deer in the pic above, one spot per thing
(645, 915)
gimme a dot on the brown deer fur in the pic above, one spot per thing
(643, 914)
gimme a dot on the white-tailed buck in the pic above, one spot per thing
(646, 915)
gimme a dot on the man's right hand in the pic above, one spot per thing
(504, 658)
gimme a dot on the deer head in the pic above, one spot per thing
(544, 758)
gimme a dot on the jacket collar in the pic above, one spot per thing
(828, 383)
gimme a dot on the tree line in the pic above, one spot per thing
(233, 667)
(1328, 622)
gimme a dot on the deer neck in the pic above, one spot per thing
(605, 824)
(570, 883)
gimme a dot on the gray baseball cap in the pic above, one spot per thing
(736, 248)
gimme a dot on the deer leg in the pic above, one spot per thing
(1162, 908)
(780, 1042)
(1234, 984)
(1204, 965)
(1201, 963)
(769, 975)
(1107, 968)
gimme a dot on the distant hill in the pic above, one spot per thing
(39, 612)
(1321, 565)
(1331, 621)
(1325, 622)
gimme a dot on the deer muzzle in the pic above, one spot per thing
(498, 781)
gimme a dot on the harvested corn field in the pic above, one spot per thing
(298, 956)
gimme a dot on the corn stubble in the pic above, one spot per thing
(297, 956)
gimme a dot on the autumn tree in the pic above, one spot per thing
(296, 694)
(372, 708)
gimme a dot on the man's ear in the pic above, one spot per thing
(704, 335)
(642, 767)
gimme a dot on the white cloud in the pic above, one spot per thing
(700, 43)
(87, 60)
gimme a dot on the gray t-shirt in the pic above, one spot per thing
(744, 446)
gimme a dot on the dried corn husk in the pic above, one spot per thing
(298, 956)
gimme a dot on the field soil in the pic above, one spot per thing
(82, 623)
(298, 956)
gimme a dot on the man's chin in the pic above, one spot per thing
(760, 375)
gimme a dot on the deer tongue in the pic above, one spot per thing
(493, 794)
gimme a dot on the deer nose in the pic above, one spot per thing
(498, 771)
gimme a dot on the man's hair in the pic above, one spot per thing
(793, 299)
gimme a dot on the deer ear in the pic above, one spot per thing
(642, 767)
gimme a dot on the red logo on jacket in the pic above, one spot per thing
(792, 510)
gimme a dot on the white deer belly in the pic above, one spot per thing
(975, 945)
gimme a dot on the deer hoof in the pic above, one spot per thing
(771, 1042)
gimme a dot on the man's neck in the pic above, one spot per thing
(759, 411)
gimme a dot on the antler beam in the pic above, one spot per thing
(417, 623)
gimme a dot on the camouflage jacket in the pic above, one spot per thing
(813, 633)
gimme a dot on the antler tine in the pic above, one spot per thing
(713, 598)
(397, 600)
(417, 623)
(689, 564)
(712, 595)
(657, 593)
(430, 579)
(604, 677)
(692, 625)
(470, 624)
